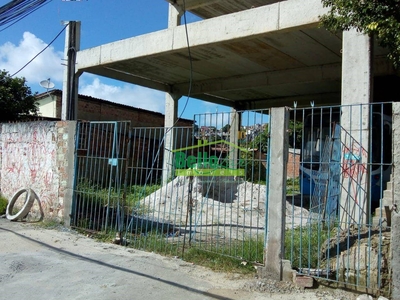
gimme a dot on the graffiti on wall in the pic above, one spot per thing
(354, 168)
(29, 161)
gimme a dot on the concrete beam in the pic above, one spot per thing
(174, 15)
(314, 74)
(300, 75)
(254, 22)
(129, 78)
(302, 101)
(192, 4)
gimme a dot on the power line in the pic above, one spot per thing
(191, 68)
(40, 51)
(17, 10)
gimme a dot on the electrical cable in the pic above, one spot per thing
(16, 21)
(190, 69)
(40, 51)
(190, 61)
(187, 99)
(17, 10)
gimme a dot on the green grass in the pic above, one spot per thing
(218, 262)
(3, 205)
(216, 257)
(50, 224)
(293, 186)
(303, 245)
(96, 194)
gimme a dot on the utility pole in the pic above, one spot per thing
(70, 82)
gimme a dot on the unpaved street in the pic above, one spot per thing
(37, 263)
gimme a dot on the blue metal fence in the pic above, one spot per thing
(345, 165)
(167, 190)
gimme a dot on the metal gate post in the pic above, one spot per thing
(276, 195)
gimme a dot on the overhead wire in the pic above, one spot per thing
(17, 10)
(190, 62)
(40, 51)
(186, 103)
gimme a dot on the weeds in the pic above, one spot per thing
(293, 186)
(303, 245)
(50, 223)
(218, 262)
(3, 205)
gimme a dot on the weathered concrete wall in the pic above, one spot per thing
(395, 239)
(35, 155)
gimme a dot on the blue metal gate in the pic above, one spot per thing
(343, 234)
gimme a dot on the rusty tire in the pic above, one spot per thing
(30, 198)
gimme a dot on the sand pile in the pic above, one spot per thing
(224, 202)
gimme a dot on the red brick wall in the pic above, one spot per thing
(293, 163)
(95, 110)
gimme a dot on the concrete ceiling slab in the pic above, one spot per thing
(274, 53)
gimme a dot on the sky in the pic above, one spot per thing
(102, 21)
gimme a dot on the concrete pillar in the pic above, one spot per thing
(357, 78)
(171, 107)
(69, 106)
(235, 122)
(174, 15)
(276, 194)
(171, 114)
(70, 182)
(395, 242)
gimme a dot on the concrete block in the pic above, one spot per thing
(304, 281)
(388, 194)
(364, 297)
(288, 274)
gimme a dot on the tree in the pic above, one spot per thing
(260, 142)
(380, 18)
(226, 128)
(295, 134)
(16, 99)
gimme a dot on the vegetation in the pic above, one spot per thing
(293, 186)
(16, 99)
(216, 257)
(303, 245)
(295, 134)
(96, 194)
(378, 18)
(3, 205)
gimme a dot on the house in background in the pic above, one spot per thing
(95, 109)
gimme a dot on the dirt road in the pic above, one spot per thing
(37, 263)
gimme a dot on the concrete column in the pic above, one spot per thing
(174, 15)
(70, 182)
(395, 242)
(171, 114)
(233, 137)
(276, 194)
(69, 106)
(356, 89)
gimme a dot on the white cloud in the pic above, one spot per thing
(46, 65)
(125, 94)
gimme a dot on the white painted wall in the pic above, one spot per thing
(47, 106)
